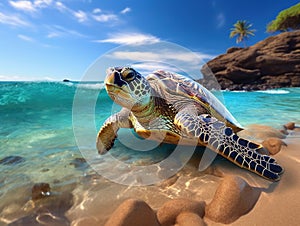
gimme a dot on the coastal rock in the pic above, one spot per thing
(290, 125)
(40, 190)
(168, 213)
(273, 145)
(11, 160)
(270, 63)
(233, 198)
(189, 219)
(133, 212)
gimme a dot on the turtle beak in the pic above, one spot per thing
(110, 76)
(115, 86)
(113, 77)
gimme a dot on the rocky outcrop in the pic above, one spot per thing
(271, 63)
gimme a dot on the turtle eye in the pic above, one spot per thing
(129, 75)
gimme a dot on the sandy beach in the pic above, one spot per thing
(277, 203)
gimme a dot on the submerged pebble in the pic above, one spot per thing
(12, 160)
(40, 190)
(79, 163)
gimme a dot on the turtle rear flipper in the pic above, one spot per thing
(220, 138)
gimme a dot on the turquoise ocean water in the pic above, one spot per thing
(36, 124)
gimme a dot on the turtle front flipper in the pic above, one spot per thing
(220, 138)
(108, 132)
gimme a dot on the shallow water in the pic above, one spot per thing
(36, 123)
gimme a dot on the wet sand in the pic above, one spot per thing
(92, 199)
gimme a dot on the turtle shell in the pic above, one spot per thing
(180, 85)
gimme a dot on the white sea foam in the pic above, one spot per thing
(93, 86)
(96, 86)
(275, 91)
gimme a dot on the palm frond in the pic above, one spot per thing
(241, 29)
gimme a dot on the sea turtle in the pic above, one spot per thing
(178, 108)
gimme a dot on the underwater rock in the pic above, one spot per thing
(40, 190)
(12, 160)
(189, 219)
(233, 198)
(79, 163)
(290, 125)
(168, 213)
(284, 131)
(133, 212)
(50, 211)
(40, 219)
(273, 145)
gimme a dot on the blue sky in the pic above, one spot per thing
(56, 39)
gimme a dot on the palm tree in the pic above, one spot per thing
(242, 30)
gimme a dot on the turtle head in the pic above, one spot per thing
(127, 87)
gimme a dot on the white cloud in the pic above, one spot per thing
(163, 55)
(26, 38)
(126, 10)
(26, 78)
(23, 5)
(220, 20)
(105, 17)
(81, 16)
(130, 39)
(97, 10)
(135, 55)
(99, 16)
(13, 20)
(61, 7)
(42, 3)
(59, 31)
(53, 34)
(149, 67)
(11, 78)
(29, 6)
